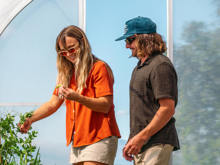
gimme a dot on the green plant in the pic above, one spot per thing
(17, 148)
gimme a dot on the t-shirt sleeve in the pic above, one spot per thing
(55, 92)
(164, 82)
(103, 84)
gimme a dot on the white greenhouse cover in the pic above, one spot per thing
(9, 9)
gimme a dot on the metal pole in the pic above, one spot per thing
(170, 29)
(82, 14)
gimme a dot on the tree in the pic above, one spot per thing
(217, 3)
(198, 112)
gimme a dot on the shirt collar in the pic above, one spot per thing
(146, 62)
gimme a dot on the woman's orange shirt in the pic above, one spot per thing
(83, 125)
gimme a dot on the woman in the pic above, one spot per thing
(86, 86)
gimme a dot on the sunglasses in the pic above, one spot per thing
(130, 40)
(69, 50)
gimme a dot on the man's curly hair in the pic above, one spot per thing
(148, 44)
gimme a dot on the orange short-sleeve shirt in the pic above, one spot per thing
(84, 125)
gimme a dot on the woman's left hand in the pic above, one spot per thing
(68, 93)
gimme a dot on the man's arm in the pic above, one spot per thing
(161, 118)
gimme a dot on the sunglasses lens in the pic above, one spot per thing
(63, 53)
(130, 40)
(72, 50)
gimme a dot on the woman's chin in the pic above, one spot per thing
(73, 60)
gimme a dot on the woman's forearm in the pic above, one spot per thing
(46, 109)
(101, 104)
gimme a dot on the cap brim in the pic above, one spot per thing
(123, 37)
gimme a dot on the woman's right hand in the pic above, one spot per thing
(25, 126)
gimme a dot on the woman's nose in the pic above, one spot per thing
(68, 54)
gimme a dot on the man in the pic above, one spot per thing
(153, 96)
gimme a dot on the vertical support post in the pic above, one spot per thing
(82, 14)
(170, 29)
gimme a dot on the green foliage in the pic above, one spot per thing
(217, 4)
(17, 149)
(198, 112)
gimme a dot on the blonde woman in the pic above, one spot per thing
(85, 84)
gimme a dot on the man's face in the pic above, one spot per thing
(131, 43)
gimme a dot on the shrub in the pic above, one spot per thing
(17, 148)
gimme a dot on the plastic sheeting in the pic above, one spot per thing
(27, 50)
(9, 9)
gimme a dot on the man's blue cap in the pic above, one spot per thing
(138, 25)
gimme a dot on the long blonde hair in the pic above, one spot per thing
(84, 59)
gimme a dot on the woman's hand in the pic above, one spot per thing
(68, 93)
(25, 126)
(99, 104)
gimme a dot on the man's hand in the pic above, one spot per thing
(127, 156)
(133, 147)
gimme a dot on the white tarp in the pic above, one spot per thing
(9, 9)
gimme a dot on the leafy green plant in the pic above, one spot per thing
(17, 148)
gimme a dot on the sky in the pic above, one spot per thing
(28, 57)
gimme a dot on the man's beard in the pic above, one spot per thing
(133, 55)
